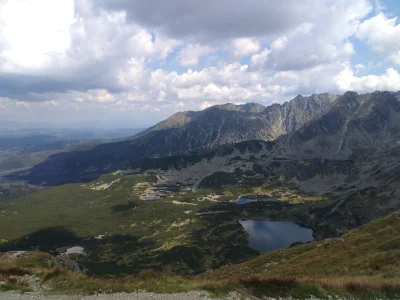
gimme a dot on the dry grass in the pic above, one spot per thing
(359, 287)
(363, 264)
(363, 287)
(6, 271)
(66, 282)
(367, 284)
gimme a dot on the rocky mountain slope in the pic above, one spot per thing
(229, 123)
(350, 153)
(183, 132)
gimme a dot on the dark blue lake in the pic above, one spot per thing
(245, 200)
(266, 236)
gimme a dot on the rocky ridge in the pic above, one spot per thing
(183, 132)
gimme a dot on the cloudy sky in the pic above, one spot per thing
(136, 62)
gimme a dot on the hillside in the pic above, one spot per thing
(349, 153)
(178, 215)
(361, 264)
(195, 192)
(183, 132)
(371, 250)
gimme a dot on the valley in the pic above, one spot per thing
(207, 209)
(182, 232)
(187, 149)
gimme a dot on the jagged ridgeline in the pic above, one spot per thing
(351, 151)
(183, 132)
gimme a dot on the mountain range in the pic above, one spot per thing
(183, 132)
(350, 153)
(346, 147)
(327, 162)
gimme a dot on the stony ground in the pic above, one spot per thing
(140, 295)
(119, 296)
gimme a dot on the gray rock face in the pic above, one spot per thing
(183, 132)
(350, 152)
(355, 125)
(229, 123)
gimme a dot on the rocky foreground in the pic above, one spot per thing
(139, 295)
(118, 296)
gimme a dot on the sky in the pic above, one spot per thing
(135, 62)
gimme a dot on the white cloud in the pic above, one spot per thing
(360, 68)
(190, 55)
(133, 74)
(323, 39)
(116, 59)
(205, 105)
(245, 46)
(144, 45)
(60, 51)
(225, 74)
(44, 38)
(346, 80)
(258, 60)
(382, 35)
(48, 103)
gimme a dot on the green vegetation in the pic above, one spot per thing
(131, 243)
(14, 190)
(5, 287)
(362, 264)
(183, 232)
(363, 260)
(123, 234)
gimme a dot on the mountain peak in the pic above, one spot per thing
(350, 95)
(248, 107)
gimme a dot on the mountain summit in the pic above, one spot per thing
(183, 132)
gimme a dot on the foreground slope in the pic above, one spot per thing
(372, 250)
(361, 264)
(182, 132)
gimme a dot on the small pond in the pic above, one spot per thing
(254, 198)
(151, 196)
(266, 236)
(75, 250)
(242, 200)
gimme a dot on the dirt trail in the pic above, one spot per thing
(118, 296)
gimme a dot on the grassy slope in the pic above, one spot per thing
(364, 266)
(138, 234)
(155, 235)
(373, 250)
(159, 234)
(141, 234)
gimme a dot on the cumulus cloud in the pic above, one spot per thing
(258, 60)
(383, 35)
(134, 59)
(346, 80)
(102, 47)
(211, 20)
(190, 55)
(43, 39)
(245, 46)
(323, 39)
(359, 68)
(205, 105)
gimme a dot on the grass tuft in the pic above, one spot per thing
(13, 271)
